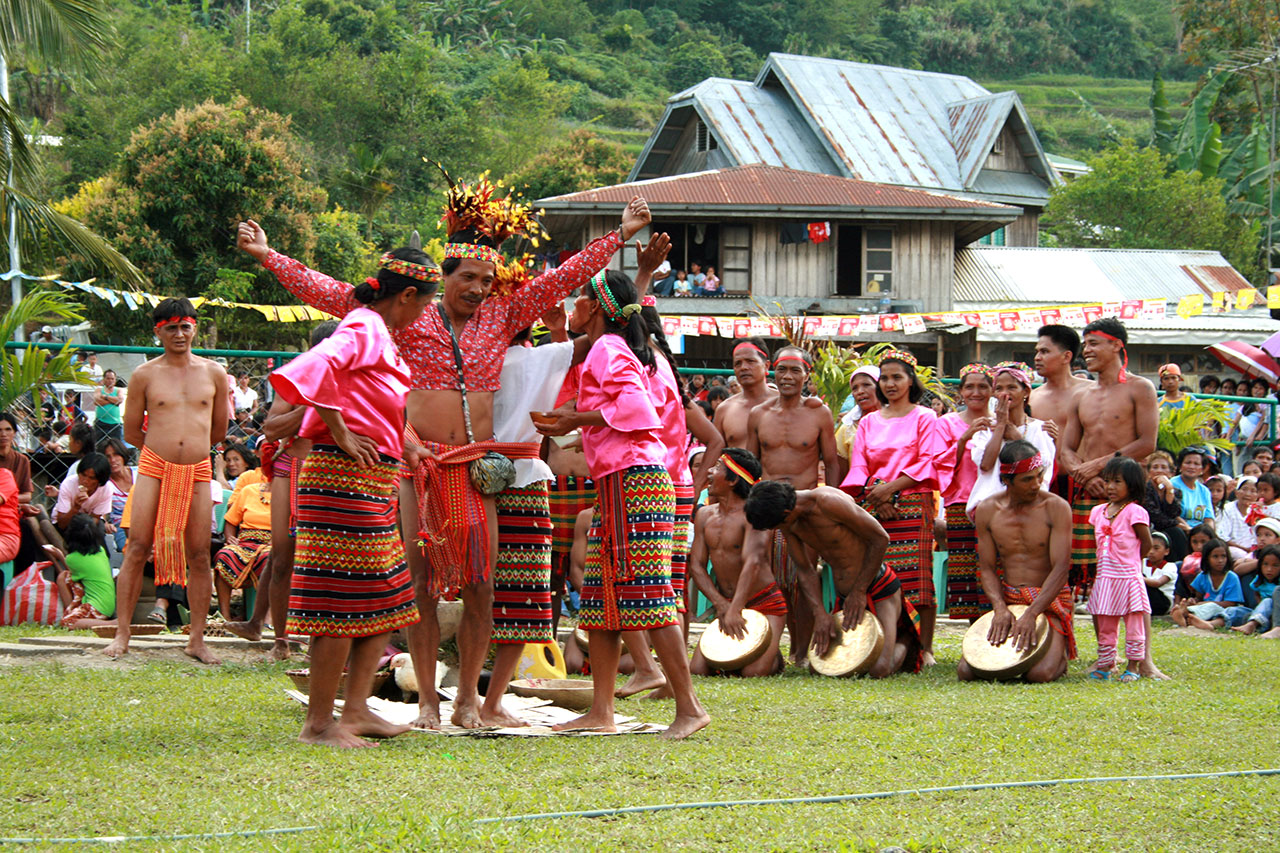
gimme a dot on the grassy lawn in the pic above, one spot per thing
(169, 748)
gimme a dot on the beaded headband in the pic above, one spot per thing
(898, 355)
(163, 323)
(1031, 463)
(1018, 370)
(1124, 348)
(615, 312)
(648, 301)
(737, 469)
(976, 367)
(420, 272)
(473, 252)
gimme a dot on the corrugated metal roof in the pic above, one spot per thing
(772, 186)
(974, 123)
(1011, 276)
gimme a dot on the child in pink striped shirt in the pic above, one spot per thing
(1123, 530)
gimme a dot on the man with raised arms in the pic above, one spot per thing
(751, 369)
(1026, 532)
(183, 400)
(719, 530)
(829, 523)
(1116, 414)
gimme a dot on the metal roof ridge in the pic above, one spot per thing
(897, 69)
(1094, 249)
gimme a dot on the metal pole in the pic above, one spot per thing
(248, 12)
(15, 259)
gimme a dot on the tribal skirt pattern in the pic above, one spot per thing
(241, 564)
(627, 581)
(1084, 544)
(522, 576)
(682, 542)
(350, 578)
(568, 497)
(910, 552)
(965, 599)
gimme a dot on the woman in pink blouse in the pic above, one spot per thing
(351, 585)
(891, 471)
(957, 472)
(627, 581)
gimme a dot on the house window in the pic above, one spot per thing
(878, 261)
(725, 246)
(703, 140)
(998, 148)
(864, 260)
(995, 238)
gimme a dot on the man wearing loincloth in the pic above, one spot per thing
(792, 435)
(184, 400)
(452, 531)
(827, 522)
(1026, 532)
(751, 369)
(719, 530)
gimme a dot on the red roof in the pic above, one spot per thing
(771, 186)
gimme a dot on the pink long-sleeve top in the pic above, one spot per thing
(356, 371)
(425, 344)
(888, 448)
(613, 382)
(665, 392)
(956, 481)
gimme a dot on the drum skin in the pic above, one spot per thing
(1001, 663)
(857, 651)
(725, 653)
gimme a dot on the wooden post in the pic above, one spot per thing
(942, 350)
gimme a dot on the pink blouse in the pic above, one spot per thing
(888, 448)
(956, 483)
(356, 371)
(1119, 550)
(675, 429)
(614, 383)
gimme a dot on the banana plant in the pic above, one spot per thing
(1191, 425)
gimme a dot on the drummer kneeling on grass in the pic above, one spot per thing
(853, 543)
(719, 531)
(1026, 532)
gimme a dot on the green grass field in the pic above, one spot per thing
(163, 748)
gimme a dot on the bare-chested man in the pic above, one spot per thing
(789, 434)
(1116, 414)
(827, 522)
(719, 530)
(1056, 349)
(751, 369)
(184, 399)
(1026, 532)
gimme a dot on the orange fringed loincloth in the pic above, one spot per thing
(177, 485)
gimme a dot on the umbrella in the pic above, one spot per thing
(1247, 359)
(1271, 346)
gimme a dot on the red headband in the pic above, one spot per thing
(738, 469)
(783, 358)
(752, 346)
(191, 320)
(1124, 366)
(1031, 463)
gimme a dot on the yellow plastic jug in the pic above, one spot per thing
(541, 660)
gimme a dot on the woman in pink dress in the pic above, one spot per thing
(1123, 529)
(892, 473)
(627, 579)
(957, 472)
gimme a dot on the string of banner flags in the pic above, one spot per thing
(851, 325)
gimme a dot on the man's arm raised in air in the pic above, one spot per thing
(844, 510)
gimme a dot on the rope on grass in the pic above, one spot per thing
(876, 795)
(129, 839)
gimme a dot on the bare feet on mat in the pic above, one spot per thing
(500, 716)
(202, 653)
(640, 682)
(428, 717)
(683, 726)
(466, 714)
(244, 630)
(589, 721)
(333, 735)
(368, 724)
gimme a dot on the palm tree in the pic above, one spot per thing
(60, 34)
(20, 374)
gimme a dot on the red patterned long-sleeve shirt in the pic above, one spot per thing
(425, 344)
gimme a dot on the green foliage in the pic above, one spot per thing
(1133, 200)
(1193, 424)
(693, 62)
(22, 371)
(579, 161)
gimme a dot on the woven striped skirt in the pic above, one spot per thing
(350, 578)
(241, 564)
(965, 599)
(627, 582)
(568, 496)
(910, 552)
(1084, 544)
(682, 542)
(522, 576)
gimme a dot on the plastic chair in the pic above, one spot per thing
(6, 572)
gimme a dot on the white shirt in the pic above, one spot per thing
(244, 398)
(1169, 572)
(1231, 527)
(988, 482)
(93, 371)
(530, 380)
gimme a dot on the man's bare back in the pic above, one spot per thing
(179, 401)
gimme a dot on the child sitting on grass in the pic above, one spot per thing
(1231, 525)
(1190, 565)
(1268, 502)
(1265, 584)
(1159, 574)
(85, 585)
(1215, 589)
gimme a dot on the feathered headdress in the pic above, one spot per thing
(512, 275)
(479, 207)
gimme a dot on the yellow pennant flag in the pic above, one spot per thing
(1244, 299)
(1191, 306)
(1219, 300)
(1273, 296)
